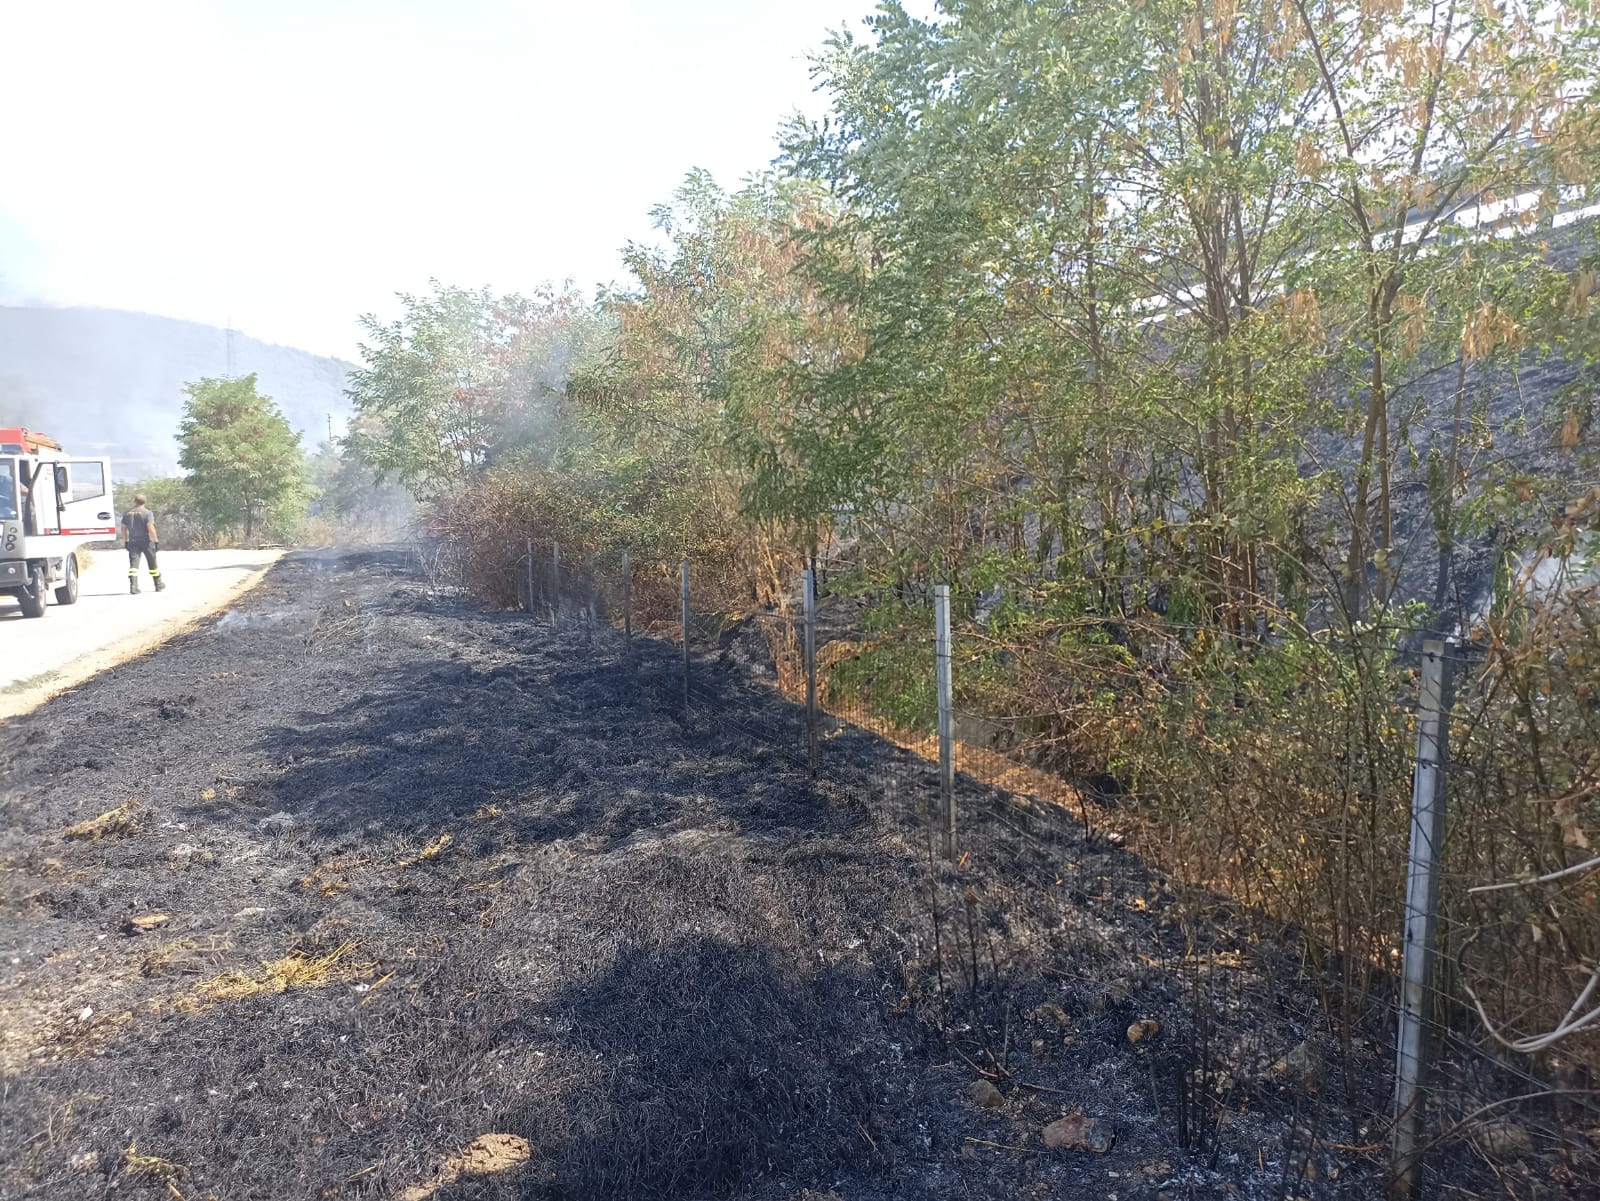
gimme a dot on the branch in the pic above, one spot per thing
(1574, 870)
(1570, 1024)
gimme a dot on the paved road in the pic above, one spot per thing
(70, 643)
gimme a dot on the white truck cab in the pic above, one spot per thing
(50, 505)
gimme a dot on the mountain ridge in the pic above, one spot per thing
(110, 381)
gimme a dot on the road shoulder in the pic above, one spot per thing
(28, 695)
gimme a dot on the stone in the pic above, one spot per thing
(1504, 1139)
(1049, 1012)
(1301, 1067)
(985, 1095)
(1078, 1132)
(145, 923)
(1143, 1029)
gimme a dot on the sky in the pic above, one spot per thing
(282, 166)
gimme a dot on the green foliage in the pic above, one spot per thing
(179, 519)
(891, 681)
(464, 378)
(245, 464)
(1128, 322)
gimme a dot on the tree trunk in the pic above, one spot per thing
(1374, 456)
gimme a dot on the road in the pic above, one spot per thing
(70, 643)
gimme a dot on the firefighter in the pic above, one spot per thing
(139, 532)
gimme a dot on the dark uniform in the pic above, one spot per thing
(139, 531)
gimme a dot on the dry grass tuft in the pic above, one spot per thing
(184, 957)
(152, 1167)
(326, 879)
(295, 970)
(113, 823)
(430, 852)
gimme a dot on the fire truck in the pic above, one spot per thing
(50, 504)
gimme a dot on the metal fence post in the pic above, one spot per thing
(683, 571)
(810, 605)
(1421, 919)
(594, 600)
(555, 583)
(529, 606)
(947, 755)
(627, 605)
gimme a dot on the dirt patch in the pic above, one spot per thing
(486, 1155)
(432, 871)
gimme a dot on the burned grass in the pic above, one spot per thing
(454, 877)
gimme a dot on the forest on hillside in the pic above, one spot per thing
(1213, 351)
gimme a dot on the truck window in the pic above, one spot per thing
(88, 481)
(8, 490)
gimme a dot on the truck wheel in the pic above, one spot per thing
(67, 594)
(32, 597)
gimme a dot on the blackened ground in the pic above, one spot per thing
(650, 948)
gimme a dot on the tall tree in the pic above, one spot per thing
(1436, 116)
(462, 378)
(244, 460)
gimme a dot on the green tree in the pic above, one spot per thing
(464, 378)
(245, 463)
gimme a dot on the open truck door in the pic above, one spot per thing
(83, 499)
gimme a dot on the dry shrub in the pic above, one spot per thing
(737, 567)
(1279, 772)
(1525, 803)
(1272, 772)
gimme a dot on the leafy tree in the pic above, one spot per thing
(463, 378)
(1432, 117)
(245, 463)
(702, 376)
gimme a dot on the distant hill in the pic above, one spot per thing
(107, 382)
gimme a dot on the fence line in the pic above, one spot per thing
(1408, 972)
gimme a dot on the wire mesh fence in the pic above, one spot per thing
(1332, 792)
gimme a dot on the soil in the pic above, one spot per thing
(394, 885)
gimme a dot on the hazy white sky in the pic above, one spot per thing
(292, 163)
